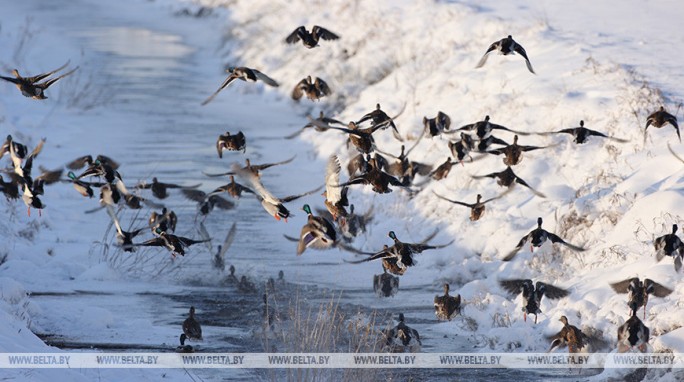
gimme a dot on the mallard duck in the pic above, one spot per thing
(461, 149)
(659, 119)
(402, 253)
(164, 221)
(323, 124)
(101, 169)
(230, 142)
(31, 199)
(191, 328)
(443, 170)
(379, 117)
(532, 294)
(159, 189)
(17, 151)
(633, 334)
(123, 238)
(109, 195)
(485, 143)
(477, 209)
(581, 134)
(569, 335)
(207, 202)
(362, 139)
(244, 74)
(233, 189)
(231, 276)
(402, 338)
(385, 284)
(335, 196)
(506, 46)
(537, 237)
(317, 233)
(175, 244)
(405, 169)
(507, 178)
(377, 178)
(219, 258)
(30, 86)
(254, 168)
(24, 170)
(513, 153)
(274, 206)
(246, 286)
(484, 128)
(81, 162)
(356, 223)
(639, 291)
(437, 125)
(360, 164)
(670, 245)
(310, 39)
(312, 89)
(183, 348)
(447, 307)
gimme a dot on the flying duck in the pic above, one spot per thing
(484, 143)
(317, 233)
(569, 335)
(377, 178)
(207, 202)
(183, 348)
(401, 254)
(443, 170)
(437, 125)
(402, 338)
(659, 119)
(670, 245)
(192, 328)
(404, 169)
(477, 209)
(312, 89)
(81, 162)
(273, 205)
(513, 153)
(356, 223)
(385, 284)
(254, 168)
(123, 238)
(447, 307)
(30, 86)
(638, 292)
(230, 142)
(310, 39)
(506, 46)
(175, 244)
(18, 151)
(362, 139)
(484, 128)
(633, 334)
(219, 258)
(233, 189)
(537, 237)
(244, 74)
(360, 164)
(101, 169)
(159, 189)
(532, 294)
(164, 221)
(507, 178)
(581, 134)
(323, 124)
(461, 149)
(378, 116)
(335, 197)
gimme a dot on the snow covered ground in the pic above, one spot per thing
(608, 64)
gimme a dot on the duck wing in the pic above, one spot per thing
(556, 239)
(385, 253)
(188, 242)
(522, 182)
(552, 292)
(517, 248)
(656, 289)
(332, 179)
(42, 76)
(11, 79)
(323, 33)
(494, 126)
(623, 286)
(225, 83)
(267, 80)
(295, 197)
(264, 166)
(154, 242)
(295, 35)
(454, 201)
(515, 286)
(47, 83)
(220, 202)
(256, 184)
(322, 86)
(494, 46)
(521, 51)
(195, 195)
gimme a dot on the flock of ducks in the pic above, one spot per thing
(338, 224)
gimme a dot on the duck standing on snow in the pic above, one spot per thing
(447, 307)
(191, 328)
(402, 338)
(385, 284)
(670, 245)
(581, 134)
(638, 292)
(507, 178)
(230, 142)
(30, 87)
(537, 237)
(477, 209)
(312, 89)
(659, 119)
(633, 334)
(244, 74)
(310, 39)
(506, 46)
(532, 294)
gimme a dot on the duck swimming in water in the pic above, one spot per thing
(402, 338)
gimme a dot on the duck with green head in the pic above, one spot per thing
(317, 233)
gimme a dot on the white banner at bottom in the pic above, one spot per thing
(341, 360)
